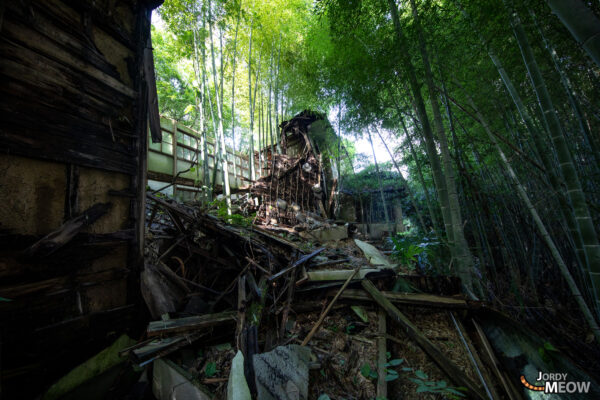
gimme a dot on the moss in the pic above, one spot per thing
(96, 365)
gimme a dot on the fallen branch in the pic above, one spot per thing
(326, 311)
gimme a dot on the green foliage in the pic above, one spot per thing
(362, 314)
(367, 372)
(366, 179)
(416, 250)
(219, 208)
(424, 385)
(210, 369)
(546, 352)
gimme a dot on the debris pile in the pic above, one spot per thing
(239, 309)
(289, 304)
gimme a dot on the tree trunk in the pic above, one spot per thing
(220, 133)
(461, 251)
(542, 229)
(591, 246)
(419, 105)
(564, 79)
(581, 22)
(233, 65)
(251, 133)
(277, 97)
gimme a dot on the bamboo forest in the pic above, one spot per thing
(300, 199)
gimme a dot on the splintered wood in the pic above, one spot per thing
(293, 187)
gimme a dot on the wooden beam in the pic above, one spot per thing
(55, 240)
(512, 393)
(446, 365)
(150, 78)
(157, 328)
(299, 262)
(475, 359)
(411, 299)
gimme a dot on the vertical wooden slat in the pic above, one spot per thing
(174, 155)
(381, 354)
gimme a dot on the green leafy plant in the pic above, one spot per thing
(350, 328)
(219, 207)
(367, 372)
(392, 374)
(210, 369)
(424, 385)
(546, 351)
(405, 251)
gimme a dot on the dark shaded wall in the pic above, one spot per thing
(73, 112)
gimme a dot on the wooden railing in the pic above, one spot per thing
(180, 152)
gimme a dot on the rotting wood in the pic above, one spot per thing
(39, 43)
(451, 369)
(413, 299)
(337, 274)
(381, 354)
(148, 351)
(331, 262)
(301, 261)
(474, 357)
(315, 328)
(157, 328)
(509, 389)
(57, 239)
(150, 78)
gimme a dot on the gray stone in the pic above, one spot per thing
(282, 374)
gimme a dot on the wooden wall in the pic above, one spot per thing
(73, 112)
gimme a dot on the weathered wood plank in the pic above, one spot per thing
(49, 286)
(33, 69)
(451, 369)
(62, 30)
(35, 41)
(156, 328)
(412, 299)
(496, 367)
(59, 141)
(55, 240)
(381, 354)
(153, 114)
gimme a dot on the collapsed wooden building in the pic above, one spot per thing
(77, 87)
(299, 179)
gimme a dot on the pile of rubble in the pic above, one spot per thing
(241, 312)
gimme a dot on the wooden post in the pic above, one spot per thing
(381, 354)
